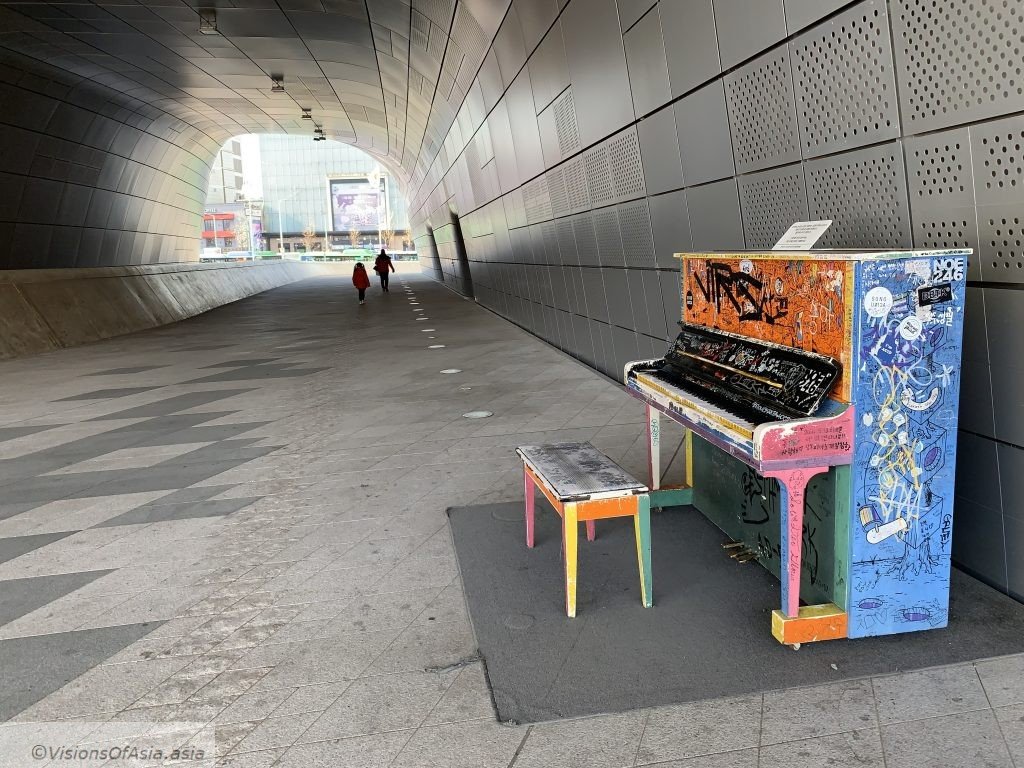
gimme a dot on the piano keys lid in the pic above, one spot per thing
(790, 381)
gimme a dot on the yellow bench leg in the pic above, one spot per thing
(570, 531)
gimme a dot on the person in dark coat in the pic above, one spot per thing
(361, 281)
(382, 266)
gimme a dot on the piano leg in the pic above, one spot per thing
(530, 498)
(570, 532)
(653, 448)
(792, 485)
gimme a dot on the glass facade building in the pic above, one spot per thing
(294, 173)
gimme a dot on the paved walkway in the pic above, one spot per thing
(239, 520)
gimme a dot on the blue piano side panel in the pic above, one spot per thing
(910, 316)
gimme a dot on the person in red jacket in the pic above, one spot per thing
(381, 267)
(361, 280)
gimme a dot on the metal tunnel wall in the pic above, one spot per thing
(599, 138)
(92, 177)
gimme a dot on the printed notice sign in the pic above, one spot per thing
(802, 236)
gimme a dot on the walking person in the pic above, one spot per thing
(361, 281)
(381, 267)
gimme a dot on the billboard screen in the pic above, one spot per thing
(355, 205)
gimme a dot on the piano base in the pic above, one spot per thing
(812, 624)
(792, 475)
(673, 496)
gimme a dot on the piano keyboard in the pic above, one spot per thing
(695, 408)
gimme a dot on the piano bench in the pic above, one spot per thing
(584, 485)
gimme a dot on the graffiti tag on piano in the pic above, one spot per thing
(798, 303)
(817, 439)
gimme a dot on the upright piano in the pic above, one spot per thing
(843, 366)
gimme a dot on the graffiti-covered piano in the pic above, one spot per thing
(835, 373)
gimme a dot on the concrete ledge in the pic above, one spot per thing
(46, 309)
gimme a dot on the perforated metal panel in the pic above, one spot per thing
(845, 88)
(536, 201)
(949, 228)
(599, 175)
(939, 169)
(771, 201)
(942, 193)
(565, 123)
(627, 170)
(1001, 235)
(997, 150)
(576, 184)
(762, 113)
(557, 192)
(635, 229)
(957, 61)
(865, 194)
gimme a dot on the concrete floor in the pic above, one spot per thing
(239, 520)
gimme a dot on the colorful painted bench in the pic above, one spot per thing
(584, 485)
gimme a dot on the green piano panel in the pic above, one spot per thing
(746, 507)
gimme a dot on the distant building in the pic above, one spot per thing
(227, 175)
(225, 226)
(297, 178)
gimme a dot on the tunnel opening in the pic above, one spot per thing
(282, 196)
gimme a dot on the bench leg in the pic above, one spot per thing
(591, 531)
(530, 498)
(642, 529)
(570, 531)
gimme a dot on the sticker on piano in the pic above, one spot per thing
(802, 236)
(934, 294)
(910, 328)
(878, 302)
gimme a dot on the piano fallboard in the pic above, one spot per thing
(793, 444)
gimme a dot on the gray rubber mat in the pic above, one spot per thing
(708, 634)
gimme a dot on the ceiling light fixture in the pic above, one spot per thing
(307, 114)
(278, 84)
(207, 21)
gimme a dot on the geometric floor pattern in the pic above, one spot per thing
(239, 519)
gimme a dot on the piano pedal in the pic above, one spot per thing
(746, 557)
(732, 545)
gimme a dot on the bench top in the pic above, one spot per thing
(577, 471)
